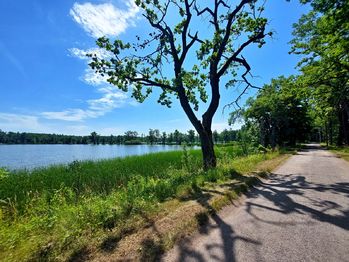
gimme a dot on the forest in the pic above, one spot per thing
(154, 136)
(313, 105)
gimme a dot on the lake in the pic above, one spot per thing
(32, 156)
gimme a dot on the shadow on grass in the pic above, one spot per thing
(110, 243)
(151, 250)
(80, 255)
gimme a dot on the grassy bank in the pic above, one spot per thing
(56, 212)
(343, 152)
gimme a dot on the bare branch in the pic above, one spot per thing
(228, 30)
(233, 58)
(195, 38)
(221, 2)
(243, 62)
(199, 13)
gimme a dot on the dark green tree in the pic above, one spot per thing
(94, 138)
(163, 138)
(177, 137)
(280, 112)
(191, 136)
(322, 38)
(130, 135)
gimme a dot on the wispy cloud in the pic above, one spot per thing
(92, 78)
(82, 54)
(98, 20)
(73, 114)
(37, 124)
(14, 121)
(111, 99)
(12, 59)
(104, 19)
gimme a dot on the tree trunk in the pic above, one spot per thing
(327, 133)
(207, 147)
(343, 135)
(345, 121)
(331, 132)
(340, 138)
(273, 137)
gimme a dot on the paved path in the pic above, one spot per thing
(300, 214)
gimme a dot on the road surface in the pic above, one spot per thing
(301, 213)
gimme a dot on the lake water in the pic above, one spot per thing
(32, 156)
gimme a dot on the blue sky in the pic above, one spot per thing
(46, 86)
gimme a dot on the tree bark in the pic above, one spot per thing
(345, 118)
(343, 135)
(273, 137)
(204, 131)
(331, 132)
(327, 133)
(207, 148)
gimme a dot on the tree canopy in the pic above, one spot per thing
(322, 38)
(184, 62)
(279, 112)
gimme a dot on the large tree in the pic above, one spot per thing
(280, 111)
(188, 59)
(322, 38)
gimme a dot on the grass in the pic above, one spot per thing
(343, 151)
(55, 213)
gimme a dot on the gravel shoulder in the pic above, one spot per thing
(300, 213)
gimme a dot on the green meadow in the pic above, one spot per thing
(49, 213)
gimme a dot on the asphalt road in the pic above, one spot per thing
(301, 213)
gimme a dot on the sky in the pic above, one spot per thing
(46, 85)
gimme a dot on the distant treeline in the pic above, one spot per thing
(154, 136)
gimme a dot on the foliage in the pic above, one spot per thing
(321, 37)
(129, 138)
(279, 112)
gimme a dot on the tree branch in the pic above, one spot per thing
(148, 82)
(226, 65)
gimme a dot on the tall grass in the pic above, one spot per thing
(49, 211)
(99, 177)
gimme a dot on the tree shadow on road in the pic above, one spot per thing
(228, 236)
(284, 193)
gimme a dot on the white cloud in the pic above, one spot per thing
(82, 54)
(73, 114)
(18, 122)
(98, 20)
(104, 19)
(35, 123)
(90, 76)
(111, 99)
(93, 78)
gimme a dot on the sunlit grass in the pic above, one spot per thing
(51, 212)
(343, 151)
